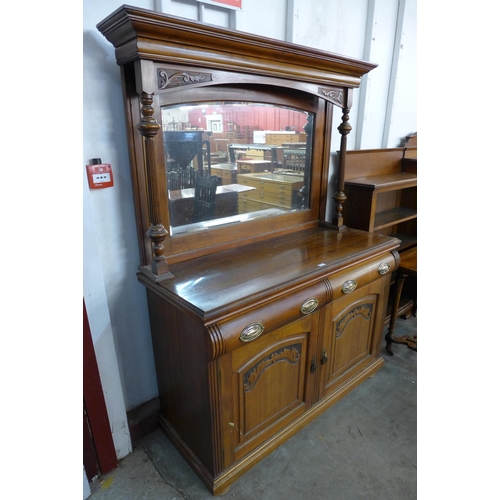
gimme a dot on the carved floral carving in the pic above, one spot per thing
(365, 311)
(174, 78)
(290, 354)
(335, 95)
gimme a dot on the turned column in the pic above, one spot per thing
(340, 197)
(148, 127)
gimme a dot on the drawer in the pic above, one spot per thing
(282, 199)
(345, 282)
(223, 173)
(268, 186)
(257, 322)
(247, 205)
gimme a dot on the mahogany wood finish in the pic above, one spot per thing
(257, 326)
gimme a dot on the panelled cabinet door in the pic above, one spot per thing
(350, 342)
(265, 385)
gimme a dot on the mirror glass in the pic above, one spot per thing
(230, 162)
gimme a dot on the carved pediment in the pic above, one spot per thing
(168, 78)
(334, 95)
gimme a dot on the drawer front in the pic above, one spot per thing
(224, 174)
(258, 322)
(345, 282)
(245, 206)
(283, 199)
(267, 186)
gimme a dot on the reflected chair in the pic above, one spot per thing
(294, 160)
(186, 178)
(173, 180)
(205, 188)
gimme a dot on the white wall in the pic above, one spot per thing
(116, 301)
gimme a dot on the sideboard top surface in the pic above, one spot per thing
(214, 282)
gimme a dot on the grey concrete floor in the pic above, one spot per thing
(363, 447)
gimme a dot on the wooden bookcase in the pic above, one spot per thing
(381, 190)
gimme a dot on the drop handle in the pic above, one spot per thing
(324, 357)
(314, 365)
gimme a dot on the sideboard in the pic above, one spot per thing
(261, 320)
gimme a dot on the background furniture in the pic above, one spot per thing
(382, 194)
(407, 267)
(381, 190)
(258, 324)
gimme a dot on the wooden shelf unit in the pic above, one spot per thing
(381, 190)
(384, 199)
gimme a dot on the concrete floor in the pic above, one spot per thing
(363, 447)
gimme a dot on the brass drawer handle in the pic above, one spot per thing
(384, 268)
(251, 332)
(349, 286)
(309, 305)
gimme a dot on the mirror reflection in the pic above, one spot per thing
(232, 162)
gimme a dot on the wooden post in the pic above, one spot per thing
(340, 197)
(148, 127)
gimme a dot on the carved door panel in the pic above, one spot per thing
(352, 327)
(265, 385)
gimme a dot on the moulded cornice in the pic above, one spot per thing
(143, 34)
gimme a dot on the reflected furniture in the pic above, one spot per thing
(182, 203)
(407, 267)
(232, 148)
(183, 146)
(279, 138)
(226, 172)
(205, 187)
(260, 321)
(270, 189)
(252, 166)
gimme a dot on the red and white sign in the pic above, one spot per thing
(230, 4)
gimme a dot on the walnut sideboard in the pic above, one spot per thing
(261, 320)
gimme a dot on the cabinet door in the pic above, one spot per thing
(265, 385)
(352, 336)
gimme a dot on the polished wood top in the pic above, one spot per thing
(408, 262)
(397, 180)
(213, 282)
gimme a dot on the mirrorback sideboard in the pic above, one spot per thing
(265, 314)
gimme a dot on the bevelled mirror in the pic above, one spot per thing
(231, 162)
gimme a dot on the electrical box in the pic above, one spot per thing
(100, 175)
